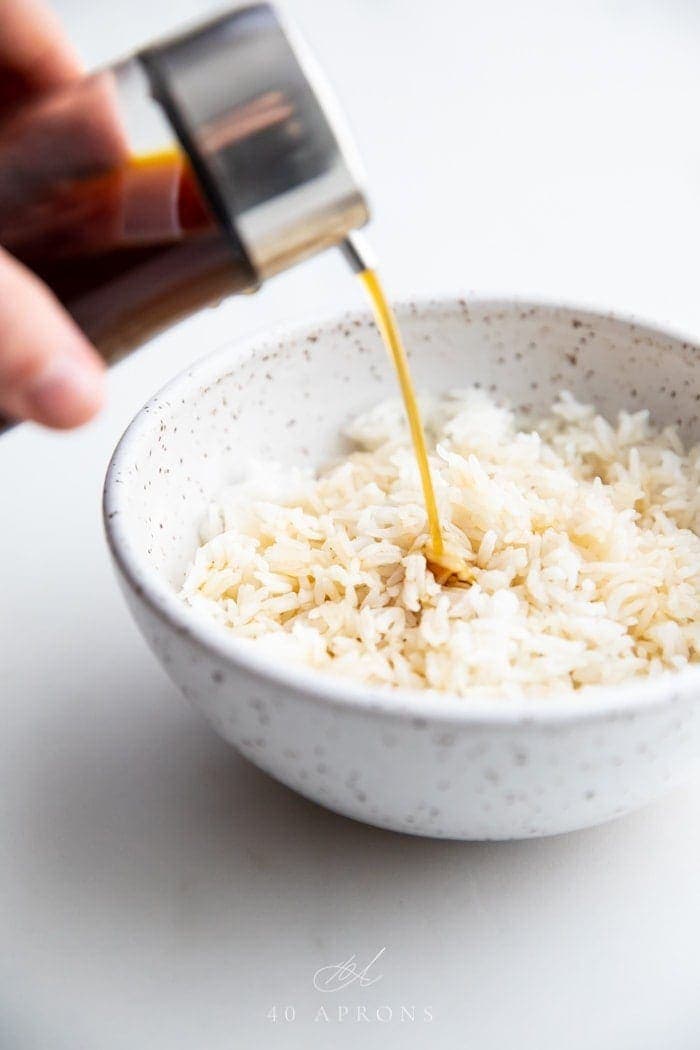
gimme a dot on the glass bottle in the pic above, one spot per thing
(196, 168)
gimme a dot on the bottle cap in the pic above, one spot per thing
(262, 134)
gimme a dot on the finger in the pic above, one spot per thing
(48, 370)
(35, 55)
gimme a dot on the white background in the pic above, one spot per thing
(157, 892)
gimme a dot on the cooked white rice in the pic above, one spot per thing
(582, 537)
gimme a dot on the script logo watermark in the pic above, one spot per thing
(340, 976)
(337, 976)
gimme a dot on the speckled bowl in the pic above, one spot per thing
(440, 767)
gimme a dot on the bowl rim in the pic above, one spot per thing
(597, 702)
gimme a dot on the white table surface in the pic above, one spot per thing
(159, 893)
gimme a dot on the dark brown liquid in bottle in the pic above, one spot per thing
(127, 250)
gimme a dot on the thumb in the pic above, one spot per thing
(48, 370)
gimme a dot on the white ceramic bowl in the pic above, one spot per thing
(401, 760)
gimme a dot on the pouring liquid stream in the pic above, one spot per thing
(446, 566)
(389, 330)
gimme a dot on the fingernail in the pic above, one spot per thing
(65, 394)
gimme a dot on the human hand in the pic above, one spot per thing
(49, 372)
